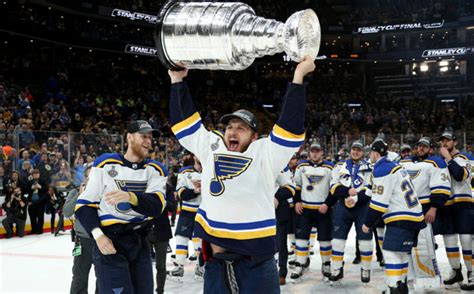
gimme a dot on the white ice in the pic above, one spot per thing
(43, 263)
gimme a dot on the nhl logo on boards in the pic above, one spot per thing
(112, 173)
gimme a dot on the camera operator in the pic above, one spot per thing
(36, 189)
(15, 206)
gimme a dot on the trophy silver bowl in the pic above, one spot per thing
(229, 36)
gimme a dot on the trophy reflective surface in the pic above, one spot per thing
(229, 36)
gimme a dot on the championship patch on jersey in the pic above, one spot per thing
(226, 167)
(413, 173)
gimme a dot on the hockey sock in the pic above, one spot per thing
(337, 255)
(396, 267)
(380, 232)
(312, 237)
(366, 252)
(302, 251)
(325, 249)
(452, 250)
(466, 245)
(181, 249)
(197, 243)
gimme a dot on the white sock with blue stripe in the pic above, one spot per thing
(337, 255)
(452, 250)
(325, 250)
(366, 252)
(181, 249)
(302, 251)
(466, 245)
(396, 267)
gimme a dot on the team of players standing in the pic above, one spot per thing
(397, 196)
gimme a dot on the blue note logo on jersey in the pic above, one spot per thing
(413, 173)
(226, 167)
(313, 180)
(129, 186)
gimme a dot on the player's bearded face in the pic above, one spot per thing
(356, 154)
(238, 135)
(422, 150)
(448, 144)
(315, 154)
(140, 144)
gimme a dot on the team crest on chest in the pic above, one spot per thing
(313, 181)
(413, 173)
(226, 167)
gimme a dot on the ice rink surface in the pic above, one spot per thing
(42, 264)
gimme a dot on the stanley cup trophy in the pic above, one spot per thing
(229, 36)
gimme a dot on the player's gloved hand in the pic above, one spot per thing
(303, 68)
(299, 208)
(117, 196)
(431, 215)
(177, 76)
(323, 209)
(105, 245)
(365, 229)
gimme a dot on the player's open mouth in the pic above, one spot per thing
(233, 145)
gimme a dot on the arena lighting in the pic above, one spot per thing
(447, 100)
(443, 69)
(470, 28)
(354, 55)
(424, 67)
(267, 105)
(333, 56)
(443, 63)
(354, 104)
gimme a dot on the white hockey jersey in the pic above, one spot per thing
(461, 191)
(112, 172)
(237, 209)
(285, 179)
(187, 175)
(314, 181)
(394, 196)
(430, 178)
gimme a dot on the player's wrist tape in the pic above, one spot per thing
(96, 233)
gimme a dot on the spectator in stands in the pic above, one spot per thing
(15, 206)
(78, 170)
(25, 156)
(25, 172)
(37, 158)
(44, 168)
(36, 190)
(63, 178)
